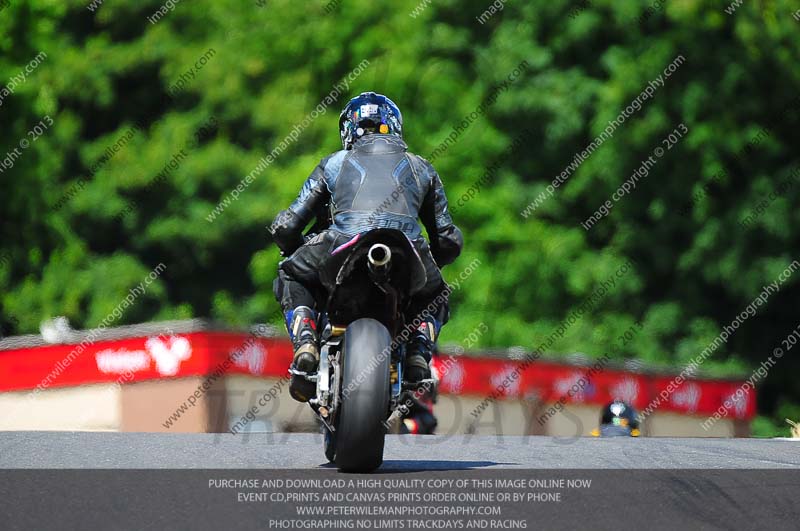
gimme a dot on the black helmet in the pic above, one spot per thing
(369, 113)
(618, 420)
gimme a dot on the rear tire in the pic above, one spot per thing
(360, 434)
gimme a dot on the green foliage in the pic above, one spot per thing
(769, 428)
(110, 69)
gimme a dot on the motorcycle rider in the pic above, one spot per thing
(373, 182)
(618, 419)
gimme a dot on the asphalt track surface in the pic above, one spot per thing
(91, 480)
(48, 450)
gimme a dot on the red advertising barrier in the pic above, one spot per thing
(143, 358)
(219, 353)
(550, 382)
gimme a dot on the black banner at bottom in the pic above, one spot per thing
(472, 499)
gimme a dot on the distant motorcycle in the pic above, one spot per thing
(360, 392)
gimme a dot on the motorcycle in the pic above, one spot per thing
(360, 393)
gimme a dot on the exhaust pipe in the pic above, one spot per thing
(379, 258)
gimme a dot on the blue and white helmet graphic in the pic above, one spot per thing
(367, 113)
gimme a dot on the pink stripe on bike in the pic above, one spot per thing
(346, 245)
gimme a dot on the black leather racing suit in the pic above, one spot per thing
(376, 184)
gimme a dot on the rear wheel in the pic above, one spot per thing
(366, 386)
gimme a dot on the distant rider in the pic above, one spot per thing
(618, 419)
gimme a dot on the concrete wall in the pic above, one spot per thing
(455, 416)
(674, 425)
(145, 406)
(276, 415)
(89, 407)
(520, 417)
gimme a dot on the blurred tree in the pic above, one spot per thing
(212, 87)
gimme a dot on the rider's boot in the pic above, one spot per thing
(303, 331)
(419, 351)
